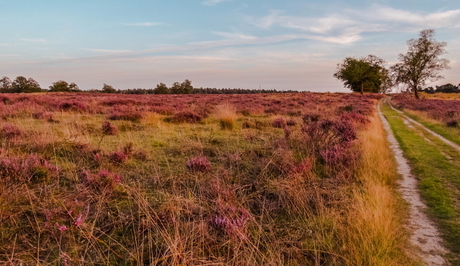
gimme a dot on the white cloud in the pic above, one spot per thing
(213, 2)
(143, 24)
(229, 35)
(32, 40)
(107, 51)
(348, 26)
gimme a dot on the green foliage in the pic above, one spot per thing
(161, 89)
(63, 86)
(182, 88)
(421, 63)
(364, 74)
(108, 89)
(22, 84)
(5, 85)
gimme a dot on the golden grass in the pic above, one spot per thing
(226, 114)
(375, 233)
(441, 96)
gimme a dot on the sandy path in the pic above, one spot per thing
(425, 235)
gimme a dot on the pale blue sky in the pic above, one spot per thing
(215, 43)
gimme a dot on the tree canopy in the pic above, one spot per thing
(22, 84)
(364, 74)
(63, 86)
(421, 63)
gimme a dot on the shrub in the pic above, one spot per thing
(198, 164)
(291, 122)
(118, 157)
(109, 129)
(452, 123)
(10, 131)
(45, 116)
(72, 106)
(279, 123)
(187, 117)
(126, 115)
(310, 117)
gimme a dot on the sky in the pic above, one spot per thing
(268, 44)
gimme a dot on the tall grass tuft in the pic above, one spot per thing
(226, 114)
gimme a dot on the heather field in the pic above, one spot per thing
(263, 179)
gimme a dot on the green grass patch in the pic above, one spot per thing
(438, 178)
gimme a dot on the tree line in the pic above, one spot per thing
(420, 65)
(29, 85)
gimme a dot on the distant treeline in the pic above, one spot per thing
(24, 85)
(446, 88)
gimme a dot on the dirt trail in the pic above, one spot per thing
(425, 235)
(448, 142)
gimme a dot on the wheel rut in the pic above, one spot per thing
(425, 235)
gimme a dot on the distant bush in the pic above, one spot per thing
(126, 115)
(186, 117)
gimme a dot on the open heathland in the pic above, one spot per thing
(263, 179)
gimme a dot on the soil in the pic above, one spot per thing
(425, 235)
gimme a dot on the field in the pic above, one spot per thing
(265, 179)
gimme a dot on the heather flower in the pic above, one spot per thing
(118, 157)
(79, 221)
(198, 164)
(279, 123)
(109, 129)
(10, 131)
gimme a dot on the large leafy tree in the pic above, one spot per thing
(64, 86)
(363, 74)
(5, 84)
(22, 84)
(421, 63)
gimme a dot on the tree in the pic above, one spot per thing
(182, 88)
(363, 74)
(5, 85)
(108, 89)
(161, 89)
(64, 86)
(186, 87)
(421, 63)
(21, 84)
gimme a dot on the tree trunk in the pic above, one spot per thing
(416, 93)
(362, 88)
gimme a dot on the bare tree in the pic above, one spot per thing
(421, 63)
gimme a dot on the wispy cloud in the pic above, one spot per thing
(107, 51)
(213, 2)
(143, 24)
(348, 26)
(230, 35)
(32, 40)
(9, 55)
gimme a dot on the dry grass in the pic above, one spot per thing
(226, 114)
(441, 96)
(376, 235)
(268, 198)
